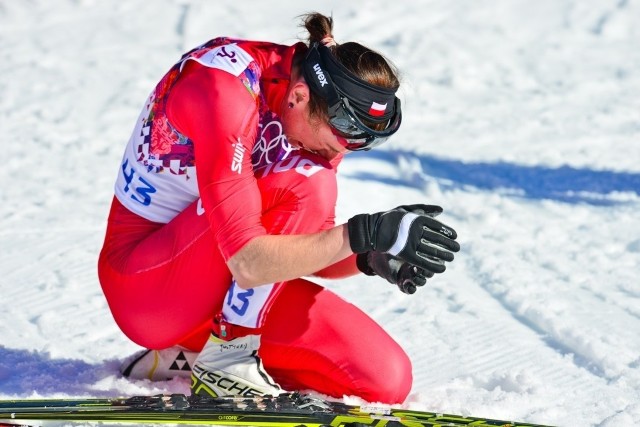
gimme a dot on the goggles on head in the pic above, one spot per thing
(351, 99)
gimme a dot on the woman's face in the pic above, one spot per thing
(303, 130)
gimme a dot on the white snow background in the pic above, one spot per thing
(522, 119)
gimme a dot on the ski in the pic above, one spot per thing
(288, 410)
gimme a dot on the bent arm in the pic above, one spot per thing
(214, 109)
(268, 259)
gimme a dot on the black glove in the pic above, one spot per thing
(406, 276)
(410, 233)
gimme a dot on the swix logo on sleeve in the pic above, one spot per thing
(238, 156)
(321, 78)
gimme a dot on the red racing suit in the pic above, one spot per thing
(173, 226)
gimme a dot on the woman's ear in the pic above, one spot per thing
(298, 95)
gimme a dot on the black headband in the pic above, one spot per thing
(328, 78)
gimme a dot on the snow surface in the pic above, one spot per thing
(522, 119)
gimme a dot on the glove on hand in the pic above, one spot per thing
(410, 233)
(406, 276)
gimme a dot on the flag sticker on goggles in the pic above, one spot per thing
(377, 110)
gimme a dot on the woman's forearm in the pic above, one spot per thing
(269, 259)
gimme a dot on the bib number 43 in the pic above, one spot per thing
(139, 188)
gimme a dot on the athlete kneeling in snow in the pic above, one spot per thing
(211, 263)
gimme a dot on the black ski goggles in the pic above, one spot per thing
(330, 80)
(345, 123)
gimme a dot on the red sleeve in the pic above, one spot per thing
(215, 110)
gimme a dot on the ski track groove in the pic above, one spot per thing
(497, 350)
(552, 343)
(481, 341)
(586, 349)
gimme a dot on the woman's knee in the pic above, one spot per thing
(392, 381)
(359, 358)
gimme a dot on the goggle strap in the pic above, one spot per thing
(319, 78)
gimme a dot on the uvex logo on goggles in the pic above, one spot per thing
(321, 78)
(351, 99)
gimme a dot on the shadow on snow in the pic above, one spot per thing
(565, 184)
(24, 372)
